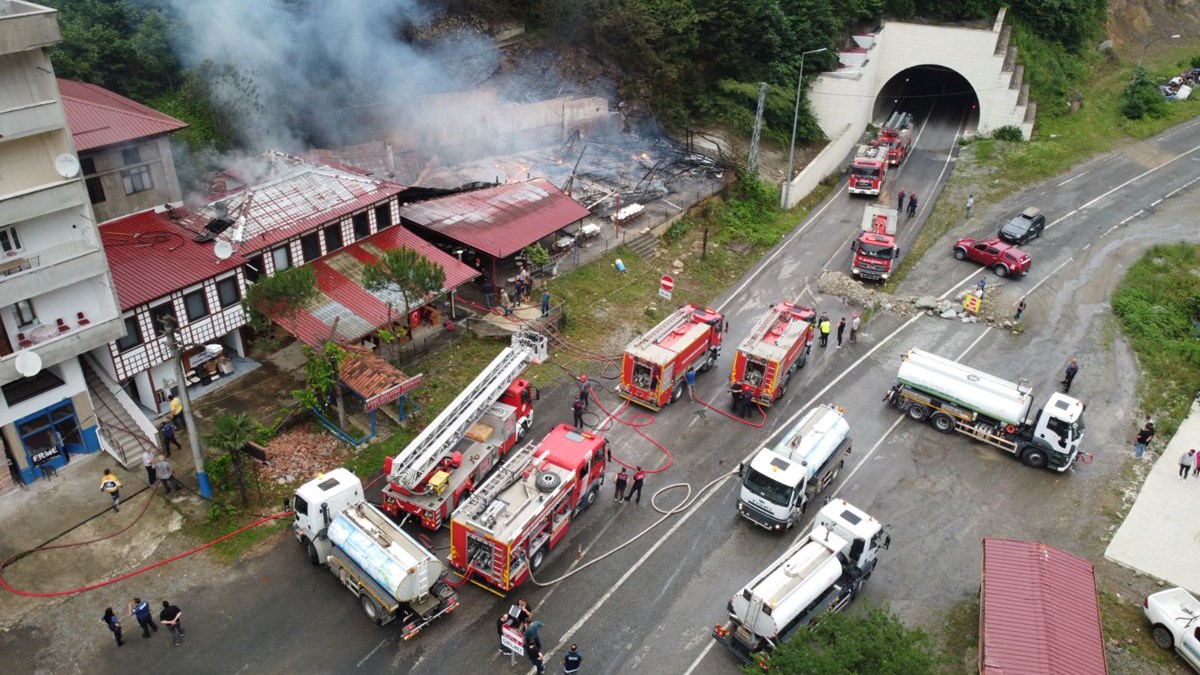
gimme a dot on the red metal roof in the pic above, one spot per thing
(1038, 612)
(373, 378)
(151, 256)
(98, 117)
(357, 311)
(498, 220)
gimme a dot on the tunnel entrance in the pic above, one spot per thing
(929, 90)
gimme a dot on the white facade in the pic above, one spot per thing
(56, 297)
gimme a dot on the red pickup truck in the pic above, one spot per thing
(1004, 259)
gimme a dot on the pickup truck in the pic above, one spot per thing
(1002, 258)
(1174, 615)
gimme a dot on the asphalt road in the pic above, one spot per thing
(650, 606)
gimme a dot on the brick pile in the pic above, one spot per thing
(298, 454)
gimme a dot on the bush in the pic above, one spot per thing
(1141, 98)
(1009, 132)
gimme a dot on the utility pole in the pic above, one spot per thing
(787, 180)
(752, 164)
(169, 323)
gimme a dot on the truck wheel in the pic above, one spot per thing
(783, 387)
(836, 470)
(1035, 458)
(590, 497)
(942, 422)
(917, 412)
(312, 554)
(539, 557)
(960, 254)
(1162, 636)
(708, 363)
(1000, 270)
(523, 428)
(678, 393)
(370, 608)
(547, 481)
(803, 356)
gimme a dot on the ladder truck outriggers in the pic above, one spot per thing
(875, 250)
(654, 367)
(773, 352)
(393, 575)
(820, 573)
(957, 398)
(895, 136)
(451, 456)
(504, 531)
(779, 482)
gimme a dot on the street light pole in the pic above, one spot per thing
(181, 383)
(1147, 43)
(787, 185)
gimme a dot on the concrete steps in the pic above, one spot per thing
(644, 245)
(125, 440)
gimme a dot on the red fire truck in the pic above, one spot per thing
(895, 136)
(451, 456)
(506, 529)
(776, 348)
(867, 169)
(655, 365)
(875, 251)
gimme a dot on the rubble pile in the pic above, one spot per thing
(298, 454)
(997, 309)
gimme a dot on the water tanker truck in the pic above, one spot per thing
(779, 482)
(955, 398)
(393, 575)
(821, 573)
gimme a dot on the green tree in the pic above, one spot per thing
(282, 296)
(230, 433)
(875, 642)
(1141, 98)
(406, 272)
(322, 377)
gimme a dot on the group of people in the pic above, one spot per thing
(623, 479)
(170, 616)
(522, 292)
(521, 617)
(825, 327)
(912, 202)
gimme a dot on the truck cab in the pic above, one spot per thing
(1174, 616)
(1059, 429)
(867, 169)
(316, 503)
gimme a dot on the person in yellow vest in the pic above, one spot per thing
(112, 485)
(825, 327)
(177, 412)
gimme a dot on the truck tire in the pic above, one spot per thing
(537, 559)
(1035, 458)
(708, 363)
(590, 497)
(371, 609)
(312, 553)
(960, 254)
(917, 412)
(803, 359)
(523, 428)
(942, 422)
(547, 481)
(783, 387)
(1000, 270)
(678, 393)
(1162, 636)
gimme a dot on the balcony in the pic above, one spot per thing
(29, 120)
(42, 199)
(25, 26)
(31, 273)
(56, 346)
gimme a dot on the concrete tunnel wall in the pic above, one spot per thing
(843, 100)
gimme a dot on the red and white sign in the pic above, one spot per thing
(512, 638)
(665, 286)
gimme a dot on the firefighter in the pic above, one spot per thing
(735, 392)
(825, 327)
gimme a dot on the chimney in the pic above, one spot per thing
(389, 159)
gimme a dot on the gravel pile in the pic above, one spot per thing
(997, 310)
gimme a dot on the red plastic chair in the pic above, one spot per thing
(23, 341)
(83, 320)
(62, 326)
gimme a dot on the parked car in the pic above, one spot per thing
(1025, 226)
(1004, 259)
(1174, 616)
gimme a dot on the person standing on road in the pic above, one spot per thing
(577, 413)
(912, 204)
(747, 400)
(841, 329)
(505, 301)
(110, 619)
(533, 648)
(1186, 463)
(148, 461)
(168, 435)
(854, 324)
(177, 413)
(572, 661)
(900, 206)
(637, 484)
(585, 391)
(500, 624)
(166, 475)
(690, 378)
(622, 479)
(172, 617)
(1069, 375)
(825, 327)
(140, 610)
(735, 392)
(112, 485)
(970, 205)
(1143, 439)
(1020, 309)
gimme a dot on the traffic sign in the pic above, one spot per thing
(972, 303)
(513, 639)
(665, 286)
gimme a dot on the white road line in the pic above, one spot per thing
(973, 343)
(1048, 276)
(1074, 177)
(1138, 177)
(372, 652)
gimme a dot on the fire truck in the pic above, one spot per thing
(895, 136)
(655, 365)
(451, 456)
(776, 348)
(867, 169)
(504, 531)
(875, 250)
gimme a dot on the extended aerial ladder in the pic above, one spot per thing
(410, 467)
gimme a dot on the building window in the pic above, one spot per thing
(158, 313)
(333, 238)
(383, 217)
(253, 269)
(282, 258)
(133, 335)
(95, 190)
(9, 241)
(88, 165)
(362, 226)
(131, 156)
(310, 247)
(227, 292)
(24, 313)
(196, 305)
(137, 180)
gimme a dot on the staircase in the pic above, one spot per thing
(644, 245)
(123, 437)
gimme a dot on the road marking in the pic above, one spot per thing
(1074, 177)
(371, 653)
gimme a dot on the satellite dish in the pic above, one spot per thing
(66, 165)
(223, 249)
(28, 363)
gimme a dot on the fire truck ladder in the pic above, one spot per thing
(415, 461)
(765, 325)
(508, 473)
(680, 317)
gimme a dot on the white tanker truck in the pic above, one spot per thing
(957, 398)
(393, 576)
(780, 481)
(821, 573)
